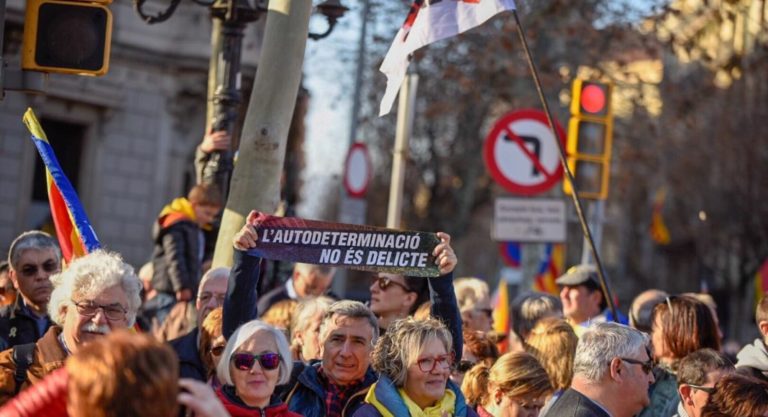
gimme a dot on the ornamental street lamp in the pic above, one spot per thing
(229, 20)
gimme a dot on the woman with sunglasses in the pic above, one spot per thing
(414, 361)
(680, 326)
(256, 359)
(515, 386)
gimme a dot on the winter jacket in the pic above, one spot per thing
(239, 308)
(386, 394)
(752, 360)
(18, 325)
(48, 356)
(237, 408)
(306, 393)
(663, 394)
(179, 248)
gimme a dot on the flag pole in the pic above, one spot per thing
(575, 194)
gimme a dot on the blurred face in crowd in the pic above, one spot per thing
(524, 406)
(7, 291)
(427, 376)
(210, 296)
(480, 318)
(309, 338)
(346, 349)
(580, 303)
(310, 284)
(255, 385)
(660, 350)
(390, 295)
(636, 376)
(205, 214)
(695, 397)
(217, 348)
(32, 275)
(88, 318)
(468, 360)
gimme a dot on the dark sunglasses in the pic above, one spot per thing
(464, 366)
(647, 366)
(245, 361)
(217, 350)
(385, 282)
(708, 390)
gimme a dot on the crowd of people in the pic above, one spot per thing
(95, 338)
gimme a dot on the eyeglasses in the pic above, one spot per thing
(217, 350)
(464, 366)
(31, 270)
(385, 282)
(708, 390)
(206, 298)
(647, 366)
(487, 311)
(428, 365)
(245, 361)
(113, 312)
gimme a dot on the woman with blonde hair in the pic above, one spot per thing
(414, 360)
(553, 342)
(515, 386)
(212, 344)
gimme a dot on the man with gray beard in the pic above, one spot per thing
(96, 294)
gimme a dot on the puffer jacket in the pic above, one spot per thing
(387, 395)
(752, 360)
(179, 246)
(237, 408)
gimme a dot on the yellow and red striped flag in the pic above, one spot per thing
(73, 230)
(659, 231)
(500, 305)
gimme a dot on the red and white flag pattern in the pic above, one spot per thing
(430, 21)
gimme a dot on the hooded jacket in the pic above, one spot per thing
(753, 360)
(384, 395)
(179, 247)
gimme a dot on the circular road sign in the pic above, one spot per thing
(521, 153)
(357, 170)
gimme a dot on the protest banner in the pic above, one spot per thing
(351, 246)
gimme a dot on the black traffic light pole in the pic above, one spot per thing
(563, 160)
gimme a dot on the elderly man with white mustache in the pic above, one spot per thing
(96, 294)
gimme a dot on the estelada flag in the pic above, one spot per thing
(430, 21)
(73, 230)
(550, 268)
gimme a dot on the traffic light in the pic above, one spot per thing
(590, 139)
(67, 36)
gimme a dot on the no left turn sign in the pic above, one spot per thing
(521, 154)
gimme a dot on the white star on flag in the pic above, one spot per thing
(430, 21)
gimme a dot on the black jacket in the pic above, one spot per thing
(18, 326)
(574, 404)
(176, 258)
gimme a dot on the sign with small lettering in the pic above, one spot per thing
(360, 247)
(529, 220)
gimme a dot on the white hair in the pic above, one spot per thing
(220, 272)
(33, 239)
(242, 335)
(307, 309)
(469, 291)
(306, 269)
(601, 343)
(90, 275)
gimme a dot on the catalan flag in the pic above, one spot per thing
(74, 231)
(550, 267)
(659, 231)
(761, 282)
(500, 304)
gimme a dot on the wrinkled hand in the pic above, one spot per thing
(445, 257)
(215, 141)
(247, 238)
(200, 399)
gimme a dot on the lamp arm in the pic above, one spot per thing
(160, 17)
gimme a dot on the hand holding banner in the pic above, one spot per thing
(365, 248)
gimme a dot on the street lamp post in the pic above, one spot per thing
(230, 18)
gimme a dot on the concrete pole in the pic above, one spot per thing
(405, 111)
(596, 214)
(255, 181)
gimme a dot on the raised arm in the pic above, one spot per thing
(442, 295)
(240, 303)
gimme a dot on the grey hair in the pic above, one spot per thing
(401, 346)
(469, 291)
(531, 308)
(90, 275)
(33, 239)
(308, 308)
(350, 309)
(306, 269)
(220, 272)
(601, 343)
(242, 335)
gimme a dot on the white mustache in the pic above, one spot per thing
(96, 328)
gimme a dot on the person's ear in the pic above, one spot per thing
(498, 396)
(685, 393)
(13, 277)
(409, 299)
(762, 325)
(615, 368)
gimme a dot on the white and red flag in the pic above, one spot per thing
(430, 21)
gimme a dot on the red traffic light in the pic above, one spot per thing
(593, 99)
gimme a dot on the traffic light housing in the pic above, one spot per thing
(590, 139)
(67, 36)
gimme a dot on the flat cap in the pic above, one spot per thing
(579, 275)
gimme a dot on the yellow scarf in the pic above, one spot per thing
(443, 408)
